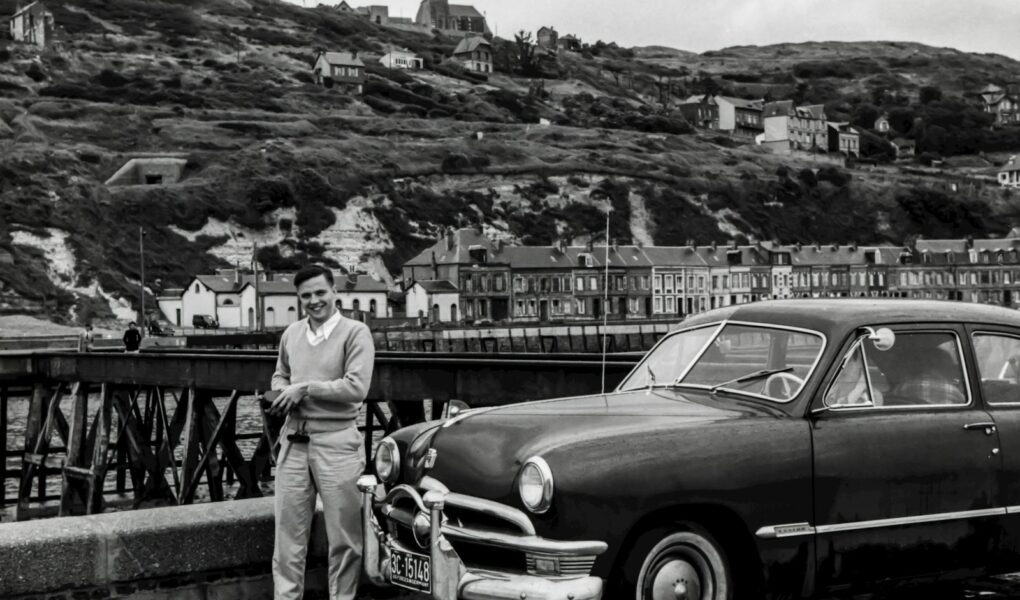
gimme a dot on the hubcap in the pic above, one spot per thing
(676, 580)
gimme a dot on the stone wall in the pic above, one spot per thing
(220, 550)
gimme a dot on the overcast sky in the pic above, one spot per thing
(971, 25)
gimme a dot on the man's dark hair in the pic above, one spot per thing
(311, 272)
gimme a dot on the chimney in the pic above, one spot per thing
(798, 246)
(590, 246)
(715, 246)
(237, 276)
(352, 279)
(733, 244)
(615, 247)
(969, 241)
(449, 239)
(499, 246)
(853, 246)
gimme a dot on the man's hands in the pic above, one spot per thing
(290, 397)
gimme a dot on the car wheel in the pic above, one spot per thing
(680, 563)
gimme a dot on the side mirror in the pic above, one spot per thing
(454, 408)
(883, 338)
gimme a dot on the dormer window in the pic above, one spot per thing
(585, 260)
(926, 258)
(478, 254)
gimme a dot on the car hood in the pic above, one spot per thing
(480, 453)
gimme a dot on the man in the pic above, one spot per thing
(323, 374)
(86, 340)
(132, 337)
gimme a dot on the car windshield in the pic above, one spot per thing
(754, 360)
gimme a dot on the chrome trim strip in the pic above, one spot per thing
(771, 532)
(915, 520)
(524, 543)
(492, 509)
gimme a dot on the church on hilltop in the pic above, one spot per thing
(451, 18)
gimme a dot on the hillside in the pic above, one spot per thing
(366, 182)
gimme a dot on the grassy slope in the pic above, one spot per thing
(145, 75)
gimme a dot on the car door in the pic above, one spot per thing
(997, 371)
(905, 463)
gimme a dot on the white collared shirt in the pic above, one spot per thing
(317, 337)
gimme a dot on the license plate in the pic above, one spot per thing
(410, 570)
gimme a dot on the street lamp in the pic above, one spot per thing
(141, 290)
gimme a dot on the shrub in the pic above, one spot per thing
(834, 175)
(111, 79)
(458, 72)
(35, 72)
(807, 176)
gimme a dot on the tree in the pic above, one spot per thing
(706, 86)
(524, 52)
(864, 115)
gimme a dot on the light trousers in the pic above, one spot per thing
(328, 464)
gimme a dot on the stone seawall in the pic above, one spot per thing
(220, 550)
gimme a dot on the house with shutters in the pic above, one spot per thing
(548, 38)
(844, 138)
(474, 54)
(1004, 103)
(342, 70)
(740, 117)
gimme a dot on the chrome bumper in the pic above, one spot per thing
(451, 579)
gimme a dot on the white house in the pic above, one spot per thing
(1009, 176)
(278, 299)
(402, 59)
(202, 297)
(360, 292)
(32, 24)
(171, 305)
(436, 300)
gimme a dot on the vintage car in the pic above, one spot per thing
(779, 449)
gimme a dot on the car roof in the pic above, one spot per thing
(835, 317)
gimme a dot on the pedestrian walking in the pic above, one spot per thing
(132, 338)
(86, 339)
(323, 373)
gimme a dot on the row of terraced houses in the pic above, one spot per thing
(484, 280)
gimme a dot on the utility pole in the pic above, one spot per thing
(258, 297)
(141, 290)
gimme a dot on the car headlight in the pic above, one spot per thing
(387, 461)
(535, 484)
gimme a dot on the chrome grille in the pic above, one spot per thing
(569, 565)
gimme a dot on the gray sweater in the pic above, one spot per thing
(338, 371)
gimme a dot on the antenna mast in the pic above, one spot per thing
(605, 302)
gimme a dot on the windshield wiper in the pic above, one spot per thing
(749, 377)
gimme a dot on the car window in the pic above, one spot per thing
(998, 361)
(757, 360)
(670, 358)
(851, 387)
(920, 369)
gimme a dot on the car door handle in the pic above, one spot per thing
(988, 428)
